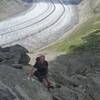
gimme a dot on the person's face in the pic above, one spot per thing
(42, 58)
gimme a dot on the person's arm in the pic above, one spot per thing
(46, 66)
(35, 67)
(31, 72)
(46, 63)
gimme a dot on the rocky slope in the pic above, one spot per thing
(77, 72)
(14, 84)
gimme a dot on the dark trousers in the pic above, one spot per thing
(40, 76)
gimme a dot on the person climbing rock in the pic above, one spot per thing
(40, 70)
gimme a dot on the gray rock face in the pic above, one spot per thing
(15, 86)
(5, 94)
(79, 76)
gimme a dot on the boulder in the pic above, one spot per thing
(14, 55)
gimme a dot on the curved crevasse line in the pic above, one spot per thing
(48, 36)
(30, 22)
(32, 13)
(31, 6)
(45, 31)
(27, 35)
(5, 36)
(45, 37)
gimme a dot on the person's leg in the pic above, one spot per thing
(45, 83)
(48, 83)
(39, 77)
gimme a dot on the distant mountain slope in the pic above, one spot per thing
(9, 8)
(89, 21)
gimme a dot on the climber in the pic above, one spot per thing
(41, 71)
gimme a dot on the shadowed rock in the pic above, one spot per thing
(14, 55)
